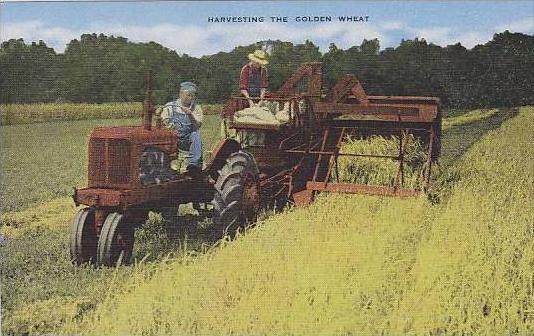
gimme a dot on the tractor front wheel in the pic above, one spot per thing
(116, 240)
(237, 195)
(83, 238)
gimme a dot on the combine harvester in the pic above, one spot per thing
(129, 167)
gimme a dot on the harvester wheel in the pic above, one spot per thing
(83, 239)
(237, 194)
(116, 239)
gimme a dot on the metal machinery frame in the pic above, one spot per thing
(311, 140)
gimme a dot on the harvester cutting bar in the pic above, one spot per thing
(405, 99)
(395, 157)
(351, 188)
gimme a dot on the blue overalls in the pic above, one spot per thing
(188, 134)
(254, 82)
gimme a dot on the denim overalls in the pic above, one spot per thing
(188, 134)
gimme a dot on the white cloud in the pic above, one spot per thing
(212, 38)
(437, 35)
(56, 37)
(203, 40)
(525, 25)
(392, 25)
(182, 38)
(470, 39)
(444, 36)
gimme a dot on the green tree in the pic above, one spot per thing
(28, 73)
(100, 68)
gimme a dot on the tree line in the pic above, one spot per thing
(100, 68)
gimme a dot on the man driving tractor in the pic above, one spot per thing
(185, 116)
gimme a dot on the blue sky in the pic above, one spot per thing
(183, 26)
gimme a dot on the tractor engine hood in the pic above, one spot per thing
(115, 153)
(137, 135)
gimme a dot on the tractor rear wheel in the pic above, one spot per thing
(83, 238)
(237, 195)
(116, 239)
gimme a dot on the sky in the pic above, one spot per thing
(183, 26)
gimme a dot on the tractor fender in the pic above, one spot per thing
(223, 149)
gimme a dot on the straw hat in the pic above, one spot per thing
(259, 56)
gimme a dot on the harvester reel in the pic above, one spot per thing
(116, 240)
(237, 194)
(83, 238)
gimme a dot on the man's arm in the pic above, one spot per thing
(165, 116)
(243, 78)
(264, 82)
(196, 116)
(243, 84)
(246, 95)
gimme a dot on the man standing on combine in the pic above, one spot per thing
(185, 116)
(253, 80)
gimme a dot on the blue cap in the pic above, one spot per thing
(188, 86)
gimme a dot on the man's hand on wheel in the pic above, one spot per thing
(186, 110)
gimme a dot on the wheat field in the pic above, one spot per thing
(458, 262)
(357, 265)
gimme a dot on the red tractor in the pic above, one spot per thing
(129, 167)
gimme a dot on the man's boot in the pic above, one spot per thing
(194, 172)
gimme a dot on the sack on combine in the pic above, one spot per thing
(256, 115)
(265, 114)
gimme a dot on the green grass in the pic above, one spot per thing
(356, 265)
(456, 119)
(276, 280)
(41, 290)
(12, 114)
(46, 160)
(41, 162)
(464, 132)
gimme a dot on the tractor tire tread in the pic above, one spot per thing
(77, 236)
(229, 188)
